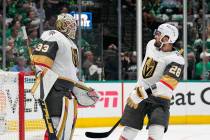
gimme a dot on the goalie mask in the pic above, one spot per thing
(167, 30)
(67, 25)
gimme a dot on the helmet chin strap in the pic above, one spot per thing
(162, 43)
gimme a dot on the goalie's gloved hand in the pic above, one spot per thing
(84, 97)
(136, 96)
(39, 71)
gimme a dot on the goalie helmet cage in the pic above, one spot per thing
(20, 114)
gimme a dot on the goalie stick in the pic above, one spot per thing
(48, 121)
(102, 134)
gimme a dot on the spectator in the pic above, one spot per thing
(16, 33)
(52, 8)
(10, 53)
(50, 24)
(20, 65)
(33, 36)
(129, 64)
(191, 62)
(111, 63)
(132, 67)
(208, 38)
(151, 7)
(199, 22)
(40, 12)
(14, 25)
(11, 8)
(91, 71)
(64, 9)
(23, 10)
(125, 60)
(200, 73)
(198, 47)
(34, 20)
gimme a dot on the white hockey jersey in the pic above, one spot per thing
(161, 71)
(58, 53)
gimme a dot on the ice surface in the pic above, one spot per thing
(175, 132)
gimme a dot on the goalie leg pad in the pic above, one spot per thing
(68, 118)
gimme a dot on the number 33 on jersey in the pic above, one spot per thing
(58, 53)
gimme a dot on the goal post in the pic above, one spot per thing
(21, 106)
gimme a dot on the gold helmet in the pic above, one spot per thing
(67, 25)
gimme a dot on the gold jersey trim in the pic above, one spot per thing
(171, 82)
(42, 60)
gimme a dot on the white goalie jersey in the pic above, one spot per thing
(51, 53)
(161, 71)
(59, 57)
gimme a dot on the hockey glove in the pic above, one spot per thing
(85, 98)
(136, 96)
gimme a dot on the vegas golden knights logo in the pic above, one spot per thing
(149, 68)
(75, 57)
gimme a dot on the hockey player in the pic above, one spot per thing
(56, 58)
(160, 73)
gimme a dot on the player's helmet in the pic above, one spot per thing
(67, 25)
(170, 31)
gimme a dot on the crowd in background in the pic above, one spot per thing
(198, 50)
(99, 45)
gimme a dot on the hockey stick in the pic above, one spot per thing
(77, 84)
(102, 134)
(48, 121)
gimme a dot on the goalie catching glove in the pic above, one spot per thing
(136, 96)
(84, 97)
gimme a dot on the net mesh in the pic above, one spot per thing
(2, 111)
(9, 108)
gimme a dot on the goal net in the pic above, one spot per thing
(20, 113)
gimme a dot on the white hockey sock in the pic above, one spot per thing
(156, 132)
(129, 133)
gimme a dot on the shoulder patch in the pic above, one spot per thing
(52, 32)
